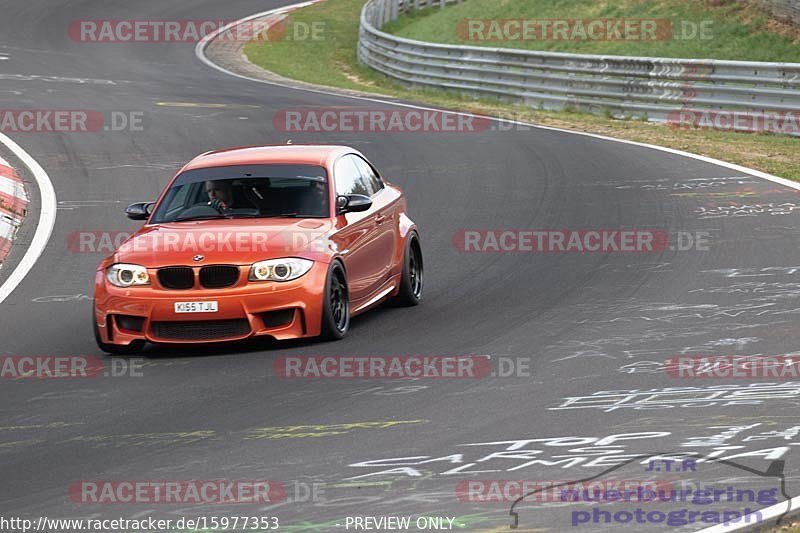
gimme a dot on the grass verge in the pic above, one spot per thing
(331, 60)
(713, 29)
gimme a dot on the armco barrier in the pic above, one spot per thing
(655, 88)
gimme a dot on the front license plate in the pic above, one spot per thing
(196, 307)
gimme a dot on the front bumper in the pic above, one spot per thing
(283, 310)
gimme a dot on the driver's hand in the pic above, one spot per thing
(217, 204)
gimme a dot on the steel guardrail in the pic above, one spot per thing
(659, 89)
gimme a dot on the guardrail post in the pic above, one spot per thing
(387, 12)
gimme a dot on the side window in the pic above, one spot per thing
(369, 174)
(348, 178)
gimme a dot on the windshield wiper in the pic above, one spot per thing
(277, 215)
(233, 216)
(199, 217)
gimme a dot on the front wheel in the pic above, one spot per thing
(116, 349)
(411, 279)
(335, 304)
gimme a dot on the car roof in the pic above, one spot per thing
(283, 154)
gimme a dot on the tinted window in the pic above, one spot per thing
(251, 191)
(369, 174)
(348, 178)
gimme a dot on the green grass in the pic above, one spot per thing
(332, 62)
(735, 29)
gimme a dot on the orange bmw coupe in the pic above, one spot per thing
(284, 241)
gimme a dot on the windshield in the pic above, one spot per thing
(249, 191)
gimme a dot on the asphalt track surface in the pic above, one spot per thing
(580, 319)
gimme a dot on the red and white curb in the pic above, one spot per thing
(12, 191)
(13, 206)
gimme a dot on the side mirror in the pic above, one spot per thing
(352, 203)
(139, 210)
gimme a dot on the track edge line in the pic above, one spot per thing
(45, 225)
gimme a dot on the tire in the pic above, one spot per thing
(116, 349)
(411, 281)
(335, 304)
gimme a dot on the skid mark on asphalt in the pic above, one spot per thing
(75, 204)
(207, 105)
(154, 166)
(51, 425)
(58, 79)
(17, 444)
(734, 194)
(321, 430)
(704, 422)
(145, 439)
(269, 433)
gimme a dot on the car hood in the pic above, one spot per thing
(238, 242)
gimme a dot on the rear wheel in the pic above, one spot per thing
(336, 304)
(412, 277)
(116, 349)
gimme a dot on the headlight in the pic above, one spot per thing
(280, 269)
(123, 275)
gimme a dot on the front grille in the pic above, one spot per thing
(219, 276)
(176, 278)
(201, 330)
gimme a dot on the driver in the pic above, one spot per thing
(220, 194)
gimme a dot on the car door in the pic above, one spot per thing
(356, 233)
(385, 204)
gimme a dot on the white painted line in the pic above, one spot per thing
(199, 51)
(767, 513)
(12, 188)
(47, 219)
